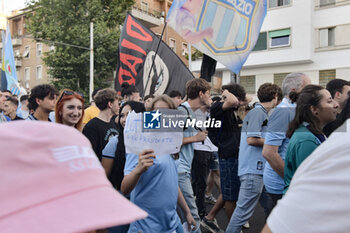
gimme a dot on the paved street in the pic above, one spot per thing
(257, 221)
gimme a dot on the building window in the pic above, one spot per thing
(248, 82)
(26, 53)
(39, 49)
(279, 38)
(326, 2)
(144, 6)
(39, 72)
(17, 54)
(184, 49)
(27, 84)
(277, 3)
(27, 73)
(172, 44)
(261, 43)
(325, 76)
(278, 78)
(327, 37)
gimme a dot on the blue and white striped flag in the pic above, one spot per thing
(225, 30)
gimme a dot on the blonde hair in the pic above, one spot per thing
(163, 98)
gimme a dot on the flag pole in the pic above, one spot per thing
(189, 57)
(91, 87)
(154, 58)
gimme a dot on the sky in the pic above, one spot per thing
(10, 5)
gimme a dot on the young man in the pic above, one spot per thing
(130, 92)
(276, 142)
(176, 97)
(42, 100)
(101, 128)
(10, 108)
(339, 90)
(318, 196)
(23, 111)
(203, 154)
(92, 111)
(198, 92)
(227, 140)
(3, 97)
(251, 162)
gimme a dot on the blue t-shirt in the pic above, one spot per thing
(250, 160)
(276, 136)
(111, 147)
(187, 152)
(156, 193)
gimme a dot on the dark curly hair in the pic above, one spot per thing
(40, 92)
(235, 89)
(128, 89)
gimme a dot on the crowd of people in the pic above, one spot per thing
(254, 157)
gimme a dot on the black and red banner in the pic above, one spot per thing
(137, 50)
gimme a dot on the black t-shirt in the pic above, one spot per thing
(99, 132)
(228, 136)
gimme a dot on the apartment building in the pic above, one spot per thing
(152, 13)
(310, 36)
(28, 53)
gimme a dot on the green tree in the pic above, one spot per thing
(68, 21)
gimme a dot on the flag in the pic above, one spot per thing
(137, 50)
(208, 68)
(225, 30)
(8, 67)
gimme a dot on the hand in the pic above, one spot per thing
(209, 32)
(228, 95)
(145, 160)
(201, 136)
(190, 222)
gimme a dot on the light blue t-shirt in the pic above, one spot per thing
(22, 113)
(250, 160)
(187, 152)
(156, 193)
(110, 148)
(276, 136)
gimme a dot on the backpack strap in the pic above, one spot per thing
(188, 117)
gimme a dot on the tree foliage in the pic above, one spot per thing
(68, 21)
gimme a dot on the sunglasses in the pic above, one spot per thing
(69, 93)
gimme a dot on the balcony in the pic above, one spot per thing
(150, 18)
(16, 41)
(18, 62)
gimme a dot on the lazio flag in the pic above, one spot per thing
(8, 68)
(225, 30)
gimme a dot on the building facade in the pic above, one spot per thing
(311, 36)
(28, 53)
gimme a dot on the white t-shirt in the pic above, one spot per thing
(318, 199)
(206, 145)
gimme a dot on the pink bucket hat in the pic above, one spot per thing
(51, 181)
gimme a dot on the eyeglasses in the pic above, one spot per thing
(69, 93)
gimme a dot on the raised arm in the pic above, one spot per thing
(130, 181)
